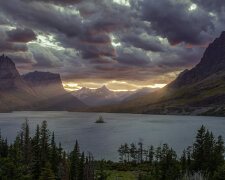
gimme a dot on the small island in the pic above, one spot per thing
(100, 120)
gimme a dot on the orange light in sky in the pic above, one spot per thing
(117, 87)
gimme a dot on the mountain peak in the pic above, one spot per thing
(5, 61)
(42, 78)
(51, 83)
(213, 61)
(104, 87)
(9, 76)
(222, 34)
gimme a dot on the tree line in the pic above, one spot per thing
(40, 158)
(205, 159)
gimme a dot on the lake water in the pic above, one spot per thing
(103, 140)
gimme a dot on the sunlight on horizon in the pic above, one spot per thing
(75, 86)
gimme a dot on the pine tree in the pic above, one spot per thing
(126, 152)
(140, 152)
(44, 139)
(47, 173)
(64, 171)
(198, 150)
(220, 173)
(183, 161)
(36, 161)
(26, 143)
(151, 155)
(74, 162)
(81, 167)
(121, 152)
(54, 156)
(219, 151)
(133, 152)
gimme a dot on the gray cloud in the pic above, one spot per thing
(84, 33)
(21, 35)
(173, 20)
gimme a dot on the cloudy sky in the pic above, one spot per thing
(125, 44)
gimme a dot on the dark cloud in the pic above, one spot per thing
(21, 35)
(100, 39)
(44, 17)
(59, 2)
(144, 42)
(213, 6)
(173, 19)
(7, 46)
(132, 56)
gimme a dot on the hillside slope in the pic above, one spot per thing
(34, 91)
(52, 95)
(199, 91)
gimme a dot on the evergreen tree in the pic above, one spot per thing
(151, 155)
(126, 152)
(220, 173)
(183, 162)
(27, 143)
(44, 143)
(81, 167)
(54, 155)
(47, 173)
(219, 151)
(198, 150)
(121, 151)
(74, 162)
(140, 152)
(36, 149)
(133, 152)
(64, 171)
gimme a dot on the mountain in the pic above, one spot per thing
(45, 83)
(14, 91)
(213, 61)
(139, 93)
(199, 91)
(33, 91)
(52, 94)
(100, 96)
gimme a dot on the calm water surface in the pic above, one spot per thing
(103, 140)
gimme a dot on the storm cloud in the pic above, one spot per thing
(143, 41)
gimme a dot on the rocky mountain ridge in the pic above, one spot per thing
(34, 91)
(100, 96)
(104, 96)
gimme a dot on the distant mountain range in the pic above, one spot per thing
(33, 91)
(199, 91)
(44, 91)
(104, 96)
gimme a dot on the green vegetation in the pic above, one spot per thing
(39, 158)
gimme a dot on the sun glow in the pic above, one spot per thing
(122, 2)
(156, 86)
(122, 90)
(47, 41)
(117, 86)
(114, 41)
(71, 86)
(193, 7)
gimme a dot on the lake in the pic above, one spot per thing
(103, 140)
